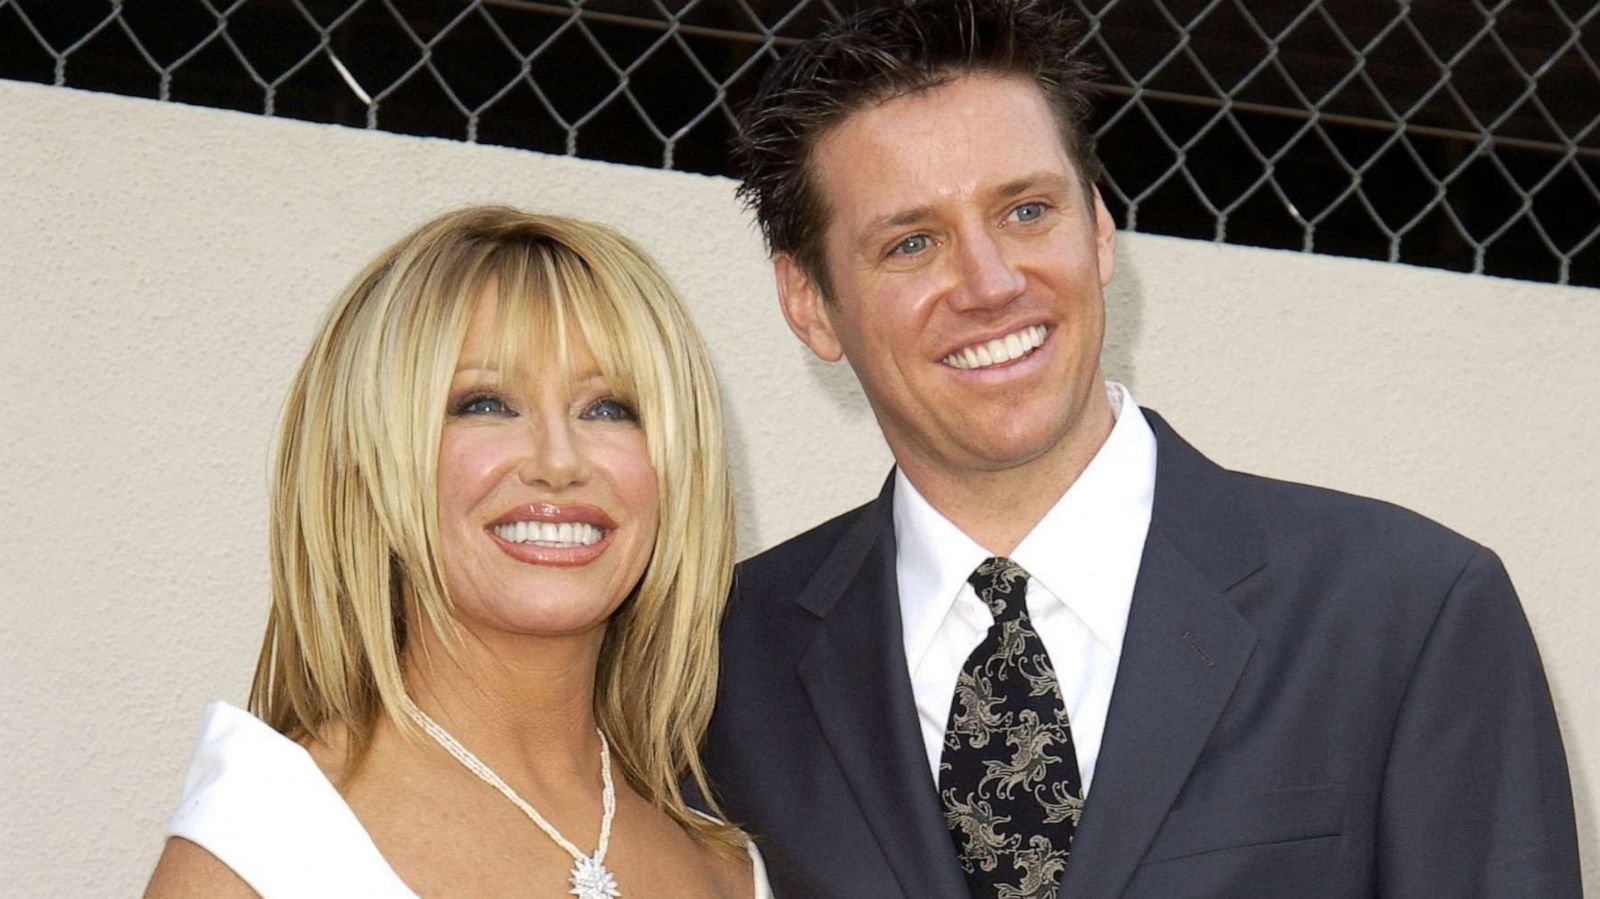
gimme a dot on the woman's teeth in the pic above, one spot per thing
(998, 351)
(549, 533)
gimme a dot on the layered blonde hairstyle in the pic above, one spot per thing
(355, 530)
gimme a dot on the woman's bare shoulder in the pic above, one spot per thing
(187, 870)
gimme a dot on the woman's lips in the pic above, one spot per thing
(553, 534)
(557, 513)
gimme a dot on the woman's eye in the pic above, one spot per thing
(610, 409)
(911, 246)
(1028, 212)
(481, 404)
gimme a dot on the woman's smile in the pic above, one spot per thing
(553, 534)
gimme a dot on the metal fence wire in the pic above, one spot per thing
(1463, 134)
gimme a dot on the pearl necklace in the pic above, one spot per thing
(590, 878)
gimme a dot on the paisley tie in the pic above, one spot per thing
(1008, 774)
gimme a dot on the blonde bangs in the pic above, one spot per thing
(545, 294)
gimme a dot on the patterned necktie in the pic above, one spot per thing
(1008, 774)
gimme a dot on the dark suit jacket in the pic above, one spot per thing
(1319, 695)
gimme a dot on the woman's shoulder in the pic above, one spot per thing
(258, 803)
(187, 870)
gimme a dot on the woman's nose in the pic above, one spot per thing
(554, 458)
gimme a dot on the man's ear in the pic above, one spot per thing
(1105, 239)
(805, 309)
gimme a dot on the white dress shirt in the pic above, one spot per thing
(1082, 558)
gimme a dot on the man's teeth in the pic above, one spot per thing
(998, 351)
(549, 533)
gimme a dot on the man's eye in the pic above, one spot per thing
(481, 404)
(911, 246)
(610, 409)
(1028, 212)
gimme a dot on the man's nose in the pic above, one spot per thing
(553, 458)
(989, 276)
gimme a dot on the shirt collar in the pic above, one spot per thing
(933, 558)
(1080, 551)
(1086, 549)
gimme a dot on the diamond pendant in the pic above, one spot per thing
(591, 880)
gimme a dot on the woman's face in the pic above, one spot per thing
(547, 498)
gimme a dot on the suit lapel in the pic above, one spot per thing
(854, 674)
(1183, 652)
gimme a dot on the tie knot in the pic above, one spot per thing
(1003, 586)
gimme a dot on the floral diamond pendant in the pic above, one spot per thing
(591, 880)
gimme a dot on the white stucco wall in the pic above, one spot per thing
(162, 268)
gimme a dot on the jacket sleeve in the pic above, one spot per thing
(1476, 799)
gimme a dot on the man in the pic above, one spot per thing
(1063, 654)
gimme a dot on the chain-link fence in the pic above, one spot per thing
(1463, 134)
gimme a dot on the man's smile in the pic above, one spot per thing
(999, 351)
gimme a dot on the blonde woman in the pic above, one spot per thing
(501, 540)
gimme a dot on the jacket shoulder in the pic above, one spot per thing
(1229, 522)
(1327, 531)
(1314, 527)
(1350, 517)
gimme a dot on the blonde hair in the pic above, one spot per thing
(354, 531)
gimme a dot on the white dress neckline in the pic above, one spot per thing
(257, 801)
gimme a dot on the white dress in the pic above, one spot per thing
(254, 799)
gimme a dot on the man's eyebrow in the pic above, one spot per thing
(1049, 181)
(1044, 180)
(899, 219)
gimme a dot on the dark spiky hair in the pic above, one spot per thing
(887, 51)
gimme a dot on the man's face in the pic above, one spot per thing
(967, 266)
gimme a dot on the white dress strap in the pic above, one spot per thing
(759, 869)
(255, 799)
